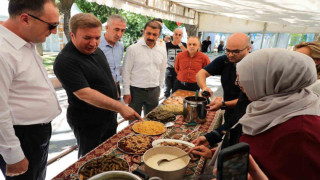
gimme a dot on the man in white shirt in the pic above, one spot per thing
(28, 101)
(144, 70)
(111, 47)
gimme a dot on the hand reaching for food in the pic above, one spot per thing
(201, 151)
(201, 140)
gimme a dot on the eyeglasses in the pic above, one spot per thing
(237, 51)
(51, 26)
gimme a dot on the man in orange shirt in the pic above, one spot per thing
(188, 63)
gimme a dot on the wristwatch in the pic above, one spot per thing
(180, 44)
(223, 105)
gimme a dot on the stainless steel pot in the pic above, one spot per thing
(115, 175)
(195, 110)
(165, 175)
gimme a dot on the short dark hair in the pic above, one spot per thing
(153, 25)
(17, 7)
(157, 19)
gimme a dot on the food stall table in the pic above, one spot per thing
(109, 147)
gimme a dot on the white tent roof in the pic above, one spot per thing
(297, 16)
(4, 15)
(251, 15)
(166, 31)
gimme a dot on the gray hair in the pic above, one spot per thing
(116, 17)
(195, 38)
(178, 29)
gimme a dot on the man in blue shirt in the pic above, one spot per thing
(111, 47)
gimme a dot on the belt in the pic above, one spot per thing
(186, 83)
(146, 89)
(34, 125)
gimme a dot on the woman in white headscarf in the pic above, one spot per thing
(282, 124)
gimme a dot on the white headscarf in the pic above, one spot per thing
(275, 80)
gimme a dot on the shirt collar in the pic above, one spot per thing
(16, 41)
(197, 53)
(105, 42)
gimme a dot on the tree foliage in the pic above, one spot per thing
(100, 11)
(170, 24)
(135, 22)
(297, 38)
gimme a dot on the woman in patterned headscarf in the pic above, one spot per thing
(282, 123)
(311, 49)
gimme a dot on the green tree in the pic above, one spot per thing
(172, 25)
(135, 22)
(100, 11)
(296, 39)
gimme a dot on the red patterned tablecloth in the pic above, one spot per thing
(110, 146)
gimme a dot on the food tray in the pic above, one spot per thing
(157, 142)
(160, 116)
(148, 146)
(174, 100)
(152, 128)
(102, 164)
(175, 109)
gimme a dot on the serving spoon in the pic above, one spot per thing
(169, 160)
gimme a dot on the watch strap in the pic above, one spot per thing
(223, 105)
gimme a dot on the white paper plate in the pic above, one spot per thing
(158, 141)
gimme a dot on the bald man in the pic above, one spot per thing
(187, 64)
(173, 48)
(238, 46)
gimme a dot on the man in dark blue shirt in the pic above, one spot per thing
(238, 46)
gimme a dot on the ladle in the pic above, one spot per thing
(197, 94)
(169, 160)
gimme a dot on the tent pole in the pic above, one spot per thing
(264, 31)
(275, 44)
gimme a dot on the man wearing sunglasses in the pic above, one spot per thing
(238, 46)
(28, 102)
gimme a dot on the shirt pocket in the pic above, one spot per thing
(157, 61)
(196, 65)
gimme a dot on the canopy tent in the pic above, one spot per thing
(298, 16)
(166, 31)
(4, 15)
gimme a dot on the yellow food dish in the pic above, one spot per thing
(149, 128)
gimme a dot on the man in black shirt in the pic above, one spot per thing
(238, 46)
(205, 44)
(84, 72)
(173, 48)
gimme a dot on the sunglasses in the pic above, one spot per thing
(51, 26)
(237, 51)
